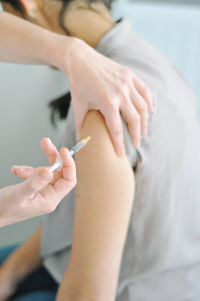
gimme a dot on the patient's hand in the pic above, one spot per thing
(41, 192)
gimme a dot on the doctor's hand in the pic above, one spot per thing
(99, 83)
(41, 192)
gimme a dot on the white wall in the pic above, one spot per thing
(24, 95)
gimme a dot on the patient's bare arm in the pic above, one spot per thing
(104, 199)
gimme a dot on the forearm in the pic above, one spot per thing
(23, 42)
(26, 258)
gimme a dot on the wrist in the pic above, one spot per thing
(62, 51)
(73, 53)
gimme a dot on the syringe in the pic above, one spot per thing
(59, 164)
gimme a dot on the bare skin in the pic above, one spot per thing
(102, 209)
(27, 43)
(113, 88)
(40, 193)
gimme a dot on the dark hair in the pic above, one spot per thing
(16, 4)
(60, 106)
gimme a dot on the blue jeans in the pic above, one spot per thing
(37, 286)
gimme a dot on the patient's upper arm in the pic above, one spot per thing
(103, 204)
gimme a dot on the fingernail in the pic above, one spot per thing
(68, 152)
(15, 166)
(152, 109)
(144, 133)
(13, 170)
(137, 143)
(23, 168)
(45, 175)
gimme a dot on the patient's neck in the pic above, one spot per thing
(88, 23)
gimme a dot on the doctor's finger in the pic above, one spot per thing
(144, 91)
(35, 183)
(24, 172)
(49, 149)
(142, 109)
(133, 122)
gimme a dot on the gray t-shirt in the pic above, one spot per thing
(161, 259)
